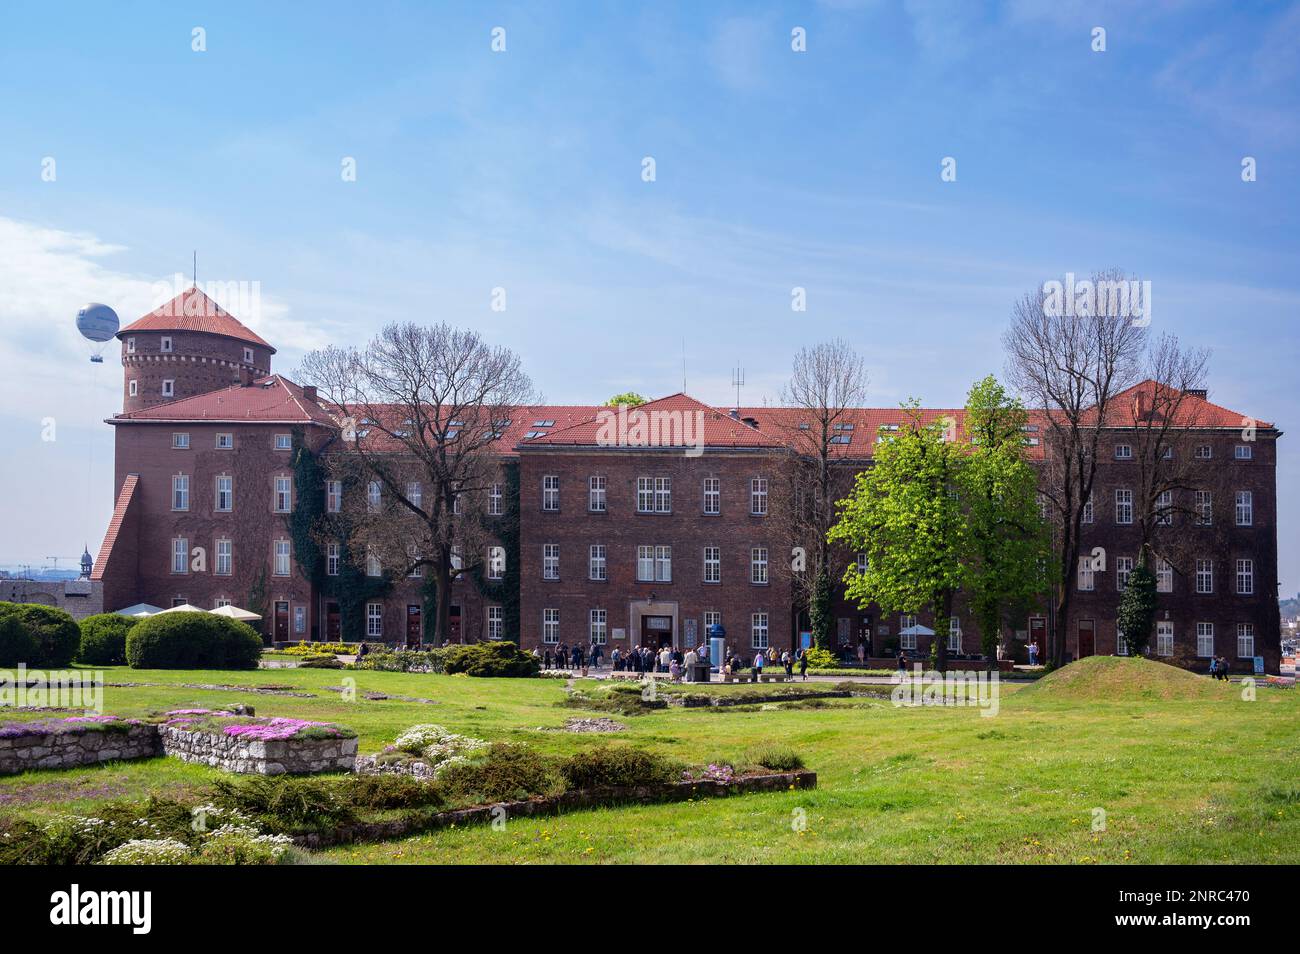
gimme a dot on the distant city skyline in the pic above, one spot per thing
(519, 176)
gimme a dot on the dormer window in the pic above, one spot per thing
(248, 356)
(166, 345)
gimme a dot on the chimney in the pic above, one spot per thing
(1201, 393)
(735, 413)
(246, 377)
(309, 392)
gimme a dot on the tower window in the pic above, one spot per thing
(248, 356)
(166, 345)
(131, 388)
(130, 346)
(169, 388)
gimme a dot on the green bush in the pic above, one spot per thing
(54, 631)
(103, 639)
(284, 803)
(821, 658)
(403, 660)
(491, 659)
(778, 758)
(616, 765)
(17, 644)
(192, 641)
(391, 790)
(508, 772)
(322, 661)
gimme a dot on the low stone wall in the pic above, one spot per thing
(69, 749)
(260, 757)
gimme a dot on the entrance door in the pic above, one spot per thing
(657, 631)
(333, 627)
(1038, 634)
(1087, 638)
(282, 621)
(453, 624)
(413, 633)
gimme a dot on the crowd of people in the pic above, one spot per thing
(665, 659)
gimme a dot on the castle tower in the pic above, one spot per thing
(189, 346)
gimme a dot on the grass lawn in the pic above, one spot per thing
(1184, 769)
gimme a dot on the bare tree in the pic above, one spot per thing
(1071, 365)
(828, 381)
(421, 409)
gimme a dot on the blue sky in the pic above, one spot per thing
(522, 170)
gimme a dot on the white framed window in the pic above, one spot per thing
(225, 558)
(1123, 451)
(374, 620)
(281, 558)
(1088, 510)
(1121, 645)
(181, 441)
(645, 495)
(1246, 577)
(1123, 569)
(1245, 640)
(332, 551)
(496, 622)
(456, 559)
(130, 346)
(494, 501)
(954, 634)
(711, 618)
(551, 492)
(550, 561)
(663, 564)
(1245, 508)
(165, 345)
(1204, 508)
(248, 356)
(415, 493)
(907, 640)
(180, 555)
(758, 565)
(225, 441)
(496, 563)
(1164, 576)
(663, 495)
(132, 388)
(1167, 453)
(283, 494)
(413, 559)
(373, 566)
(1205, 640)
(654, 564)
(758, 630)
(550, 625)
(1123, 506)
(225, 500)
(333, 495)
(1204, 576)
(596, 494)
(181, 492)
(1204, 452)
(712, 564)
(1164, 638)
(645, 564)
(1165, 508)
(597, 627)
(374, 496)
(169, 388)
(220, 601)
(1086, 581)
(596, 566)
(758, 496)
(283, 442)
(862, 563)
(712, 496)
(456, 505)
(1243, 452)
(300, 619)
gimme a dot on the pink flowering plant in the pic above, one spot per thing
(253, 728)
(82, 723)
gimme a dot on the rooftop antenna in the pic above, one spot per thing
(738, 381)
(196, 268)
(683, 364)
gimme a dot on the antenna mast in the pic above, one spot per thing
(738, 381)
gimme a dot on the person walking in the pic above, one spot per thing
(902, 662)
(803, 664)
(1033, 653)
(788, 662)
(759, 661)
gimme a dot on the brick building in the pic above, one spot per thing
(619, 539)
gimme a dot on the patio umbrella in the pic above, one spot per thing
(184, 608)
(139, 609)
(916, 629)
(234, 612)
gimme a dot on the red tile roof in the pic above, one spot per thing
(272, 399)
(674, 421)
(192, 310)
(1130, 408)
(124, 498)
(859, 430)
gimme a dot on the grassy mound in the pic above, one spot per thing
(1119, 679)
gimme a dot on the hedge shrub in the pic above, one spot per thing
(103, 639)
(17, 644)
(616, 765)
(54, 631)
(192, 641)
(491, 659)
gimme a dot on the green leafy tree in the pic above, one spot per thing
(1137, 608)
(1006, 539)
(821, 609)
(630, 398)
(905, 515)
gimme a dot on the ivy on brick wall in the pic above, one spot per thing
(505, 591)
(309, 523)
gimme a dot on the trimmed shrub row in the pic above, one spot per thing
(37, 635)
(192, 641)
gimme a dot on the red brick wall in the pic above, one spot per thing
(198, 363)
